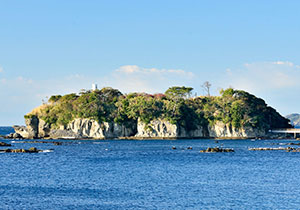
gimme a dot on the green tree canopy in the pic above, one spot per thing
(179, 92)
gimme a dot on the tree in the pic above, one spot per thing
(54, 98)
(179, 92)
(206, 86)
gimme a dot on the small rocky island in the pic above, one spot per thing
(216, 149)
(107, 113)
(30, 150)
(3, 144)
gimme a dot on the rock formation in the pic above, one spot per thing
(89, 128)
(219, 130)
(30, 150)
(164, 129)
(216, 149)
(78, 128)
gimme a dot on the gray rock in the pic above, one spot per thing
(164, 129)
(30, 131)
(10, 136)
(90, 128)
(219, 130)
(32, 125)
(63, 134)
(43, 129)
(156, 128)
(17, 136)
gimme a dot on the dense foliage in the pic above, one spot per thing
(233, 107)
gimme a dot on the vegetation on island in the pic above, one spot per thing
(235, 108)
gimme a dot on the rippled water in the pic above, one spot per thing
(150, 175)
(4, 130)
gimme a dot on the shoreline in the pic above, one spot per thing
(157, 138)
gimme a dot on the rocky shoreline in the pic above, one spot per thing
(157, 129)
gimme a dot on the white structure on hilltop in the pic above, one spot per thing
(94, 87)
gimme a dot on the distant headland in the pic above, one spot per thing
(107, 113)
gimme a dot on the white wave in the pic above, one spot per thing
(46, 150)
(17, 142)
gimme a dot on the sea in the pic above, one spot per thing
(4, 130)
(150, 174)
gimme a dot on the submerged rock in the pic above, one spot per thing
(30, 150)
(216, 149)
(3, 144)
(63, 134)
(13, 136)
(293, 150)
(268, 148)
(288, 149)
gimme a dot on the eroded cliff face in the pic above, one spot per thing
(89, 128)
(157, 128)
(92, 129)
(78, 128)
(221, 130)
(164, 129)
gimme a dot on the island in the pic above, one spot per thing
(107, 114)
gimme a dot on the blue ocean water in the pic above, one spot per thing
(128, 174)
(4, 130)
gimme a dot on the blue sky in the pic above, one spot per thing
(56, 47)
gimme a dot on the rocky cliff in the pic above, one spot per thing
(30, 130)
(89, 128)
(78, 128)
(221, 130)
(164, 129)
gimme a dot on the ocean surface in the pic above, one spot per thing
(4, 130)
(121, 174)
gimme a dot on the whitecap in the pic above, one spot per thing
(46, 150)
(17, 142)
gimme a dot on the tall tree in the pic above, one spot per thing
(206, 86)
(179, 92)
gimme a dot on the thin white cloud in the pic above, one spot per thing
(132, 78)
(286, 63)
(133, 69)
(262, 76)
(129, 69)
(1, 69)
